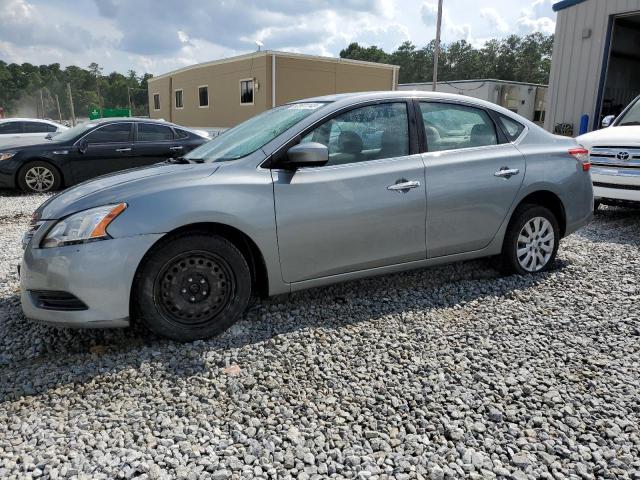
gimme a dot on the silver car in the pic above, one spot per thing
(306, 194)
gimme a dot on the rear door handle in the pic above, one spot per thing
(176, 148)
(121, 150)
(506, 172)
(403, 185)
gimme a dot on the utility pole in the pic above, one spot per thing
(129, 97)
(98, 90)
(58, 105)
(436, 52)
(42, 103)
(73, 113)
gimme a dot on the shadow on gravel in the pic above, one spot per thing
(614, 225)
(64, 357)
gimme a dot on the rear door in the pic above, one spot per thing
(108, 149)
(353, 213)
(154, 143)
(38, 130)
(473, 175)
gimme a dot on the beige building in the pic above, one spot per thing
(223, 93)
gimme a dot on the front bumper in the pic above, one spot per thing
(100, 274)
(8, 170)
(616, 184)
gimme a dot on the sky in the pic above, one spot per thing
(158, 36)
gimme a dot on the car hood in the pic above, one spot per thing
(120, 187)
(611, 137)
(26, 143)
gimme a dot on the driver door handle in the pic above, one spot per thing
(403, 185)
(120, 150)
(175, 148)
(506, 172)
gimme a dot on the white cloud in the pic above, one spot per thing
(456, 30)
(495, 20)
(535, 18)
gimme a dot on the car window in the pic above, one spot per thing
(114, 133)
(631, 116)
(511, 128)
(181, 133)
(10, 127)
(38, 127)
(449, 126)
(368, 133)
(149, 132)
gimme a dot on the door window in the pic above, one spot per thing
(368, 133)
(114, 133)
(38, 127)
(450, 126)
(148, 132)
(10, 128)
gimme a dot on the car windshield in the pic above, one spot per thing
(253, 134)
(632, 117)
(72, 133)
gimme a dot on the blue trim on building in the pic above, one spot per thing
(565, 4)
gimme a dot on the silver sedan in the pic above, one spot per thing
(306, 194)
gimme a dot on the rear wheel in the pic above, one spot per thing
(532, 240)
(39, 177)
(192, 287)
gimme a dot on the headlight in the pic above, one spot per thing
(82, 227)
(6, 155)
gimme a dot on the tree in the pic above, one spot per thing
(520, 58)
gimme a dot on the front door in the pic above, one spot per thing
(472, 178)
(366, 208)
(107, 149)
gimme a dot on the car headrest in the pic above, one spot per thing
(350, 142)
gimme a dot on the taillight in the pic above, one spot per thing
(582, 156)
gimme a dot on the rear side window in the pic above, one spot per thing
(38, 127)
(450, 126)
(368, 133)
(511, 128)
(10, 127)
(114, 133)
(181, 133)
(148, 132)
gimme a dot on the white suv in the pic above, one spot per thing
(615, 157)
(21, 131)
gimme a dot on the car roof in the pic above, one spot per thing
(25, 119)
(346, 99)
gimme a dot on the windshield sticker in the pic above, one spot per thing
(305, 106)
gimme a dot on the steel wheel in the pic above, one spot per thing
(194, 288)
(39, 179)
(536, 243)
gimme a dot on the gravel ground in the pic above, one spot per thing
(447, 372)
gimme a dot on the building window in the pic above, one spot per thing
(156, 101)
(179, 103)
(246, 92)
(538, 116)
(203, 96)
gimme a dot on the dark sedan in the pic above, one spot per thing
(92, 149)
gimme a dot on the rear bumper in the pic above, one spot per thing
(99, 274)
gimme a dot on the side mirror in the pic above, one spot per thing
(608, 120)
(310, 154)
(83, 146)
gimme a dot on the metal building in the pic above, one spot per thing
(223, 93)
(595, 70)
(526, 99)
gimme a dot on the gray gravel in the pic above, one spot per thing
(448, 372)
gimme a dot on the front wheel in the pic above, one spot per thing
(532, 240)
(192, 287)
(39, 177)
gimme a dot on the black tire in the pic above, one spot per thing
(523, 215)
(50, 178)
(192, 286)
